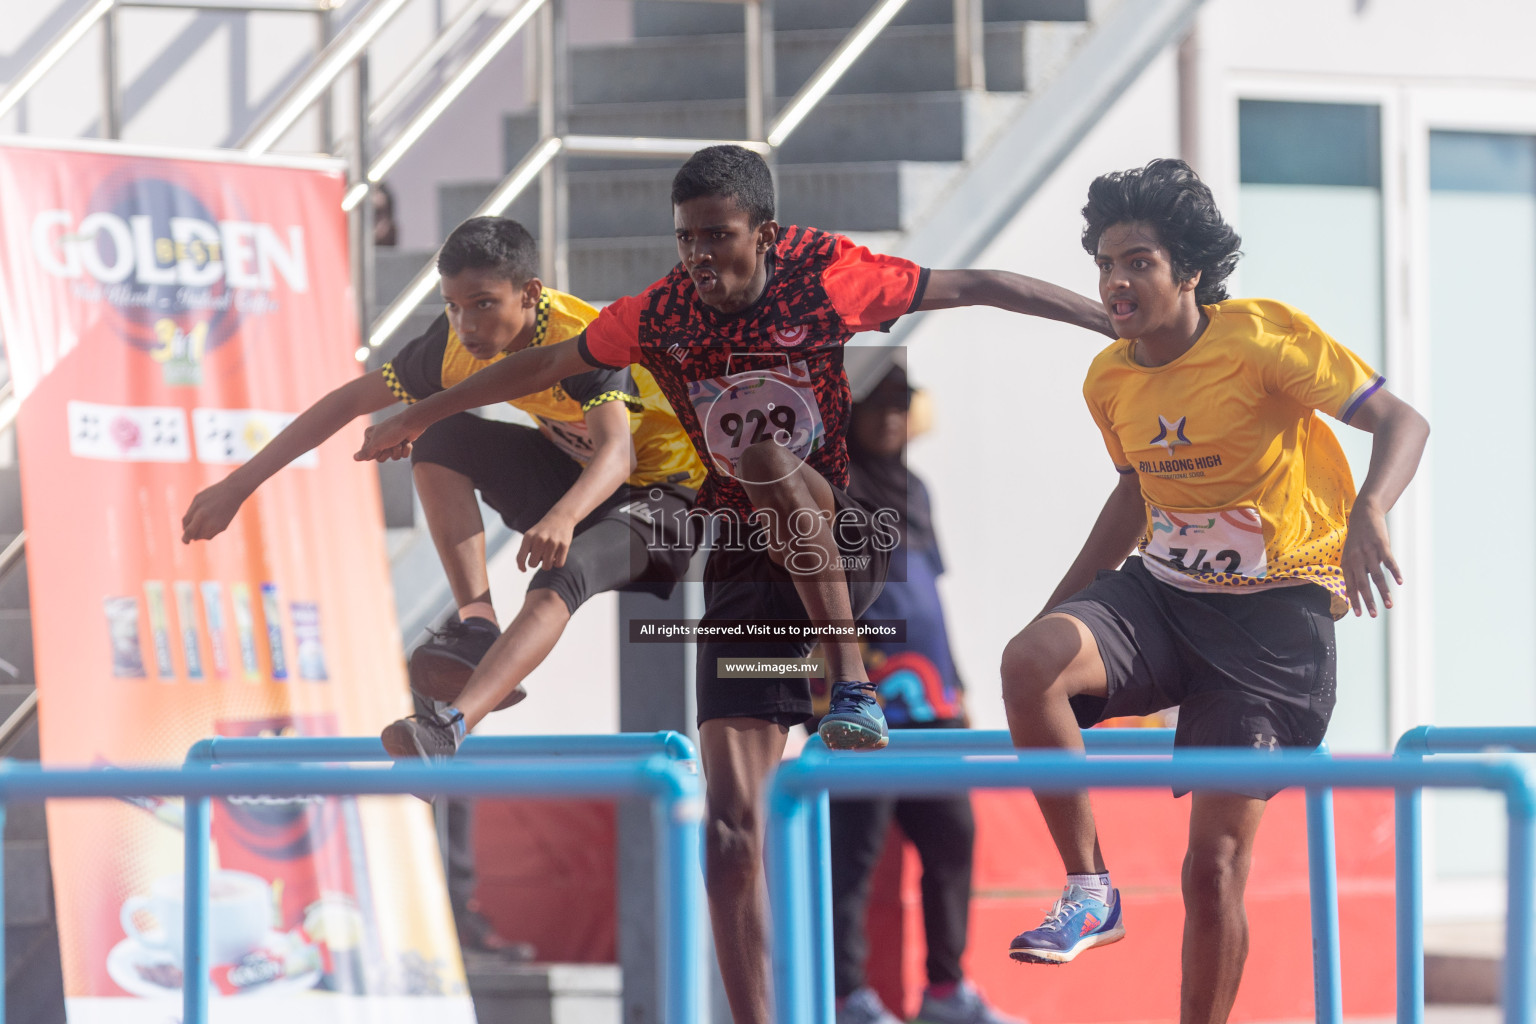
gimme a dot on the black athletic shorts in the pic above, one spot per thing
(1255, 669)
(745, 585)
(639, 539)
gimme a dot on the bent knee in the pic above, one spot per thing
(765, 463)
(1041, 659)
(733, 849)
(1215, 875)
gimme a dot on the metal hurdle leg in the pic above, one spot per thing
(1323, 887)
(790, 889)
(819, 830)
(197, 938)
(1408, 856)
(677, 816)
(1520, 926)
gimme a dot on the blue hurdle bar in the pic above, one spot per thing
(1322, 863)
(1409, 804)
(797, 786)
(672, 788)
(328, 749)
(1321, 860)
(251, 750)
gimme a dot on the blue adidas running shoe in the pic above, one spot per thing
(854, 721)
(1077, 922)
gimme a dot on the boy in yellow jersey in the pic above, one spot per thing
(1252, 541)
(606, 467)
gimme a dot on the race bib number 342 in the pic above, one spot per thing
(1229, 541)
(741, 409)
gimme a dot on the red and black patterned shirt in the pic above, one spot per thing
(773, 370)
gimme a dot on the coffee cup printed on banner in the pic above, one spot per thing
(239, 916)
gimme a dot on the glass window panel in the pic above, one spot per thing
(1482, 325)
(1311, 224)
(1309, 143)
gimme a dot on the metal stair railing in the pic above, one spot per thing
(51, 54)
(440, 101)
(105, 13)
(323, 71)
(764, 134)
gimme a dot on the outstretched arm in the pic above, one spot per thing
(1113, 537)
(613, 459)
(950, 288)
(213, 507)
(521, 373)
(1399, 434)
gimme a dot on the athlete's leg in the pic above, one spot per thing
(604, 555)
(520, 649)
(738, 754)
(801, 508)
(943, 830)
(859, 828)
(453, 518)
(1221, 832)
(517, 471)
(1052, 660)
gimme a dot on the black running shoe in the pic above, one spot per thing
(441, 667)
(432, 738)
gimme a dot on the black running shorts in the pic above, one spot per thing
(1252, 669)
(748, 586)
(639, 539)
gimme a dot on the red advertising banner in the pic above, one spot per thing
(165, 317)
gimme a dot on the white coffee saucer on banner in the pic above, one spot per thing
(130, 957)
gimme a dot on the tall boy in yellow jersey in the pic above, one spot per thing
(1252, 541)
(606, 466)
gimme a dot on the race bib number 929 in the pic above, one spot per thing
(743, 409)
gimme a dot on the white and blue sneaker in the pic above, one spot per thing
(854, 721)
(1078, 921)
(863, 1006)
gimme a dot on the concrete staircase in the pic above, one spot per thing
(891, 138)
(34, 982)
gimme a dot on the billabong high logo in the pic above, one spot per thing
(178, 273)
(1170, 433)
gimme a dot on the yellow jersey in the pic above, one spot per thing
(1245, 486)
(438, 360)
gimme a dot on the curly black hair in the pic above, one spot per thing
(1170, 197)
(733, 172)
(498, 244)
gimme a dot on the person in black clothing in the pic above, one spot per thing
(920, 688)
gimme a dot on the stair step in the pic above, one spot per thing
(28, 883)
(875, 196)
(10, 501)
(931, 126)
(16, 648)
(13, 586)
(394, 268)
(914, 58)
(687, 17)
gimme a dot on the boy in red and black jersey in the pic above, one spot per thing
(745, 338)
(821, 289)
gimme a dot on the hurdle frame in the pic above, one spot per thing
(797, 785)
(1322, 861)
(1408, 807)
(668, 783)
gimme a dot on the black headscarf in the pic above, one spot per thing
(884, 481)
